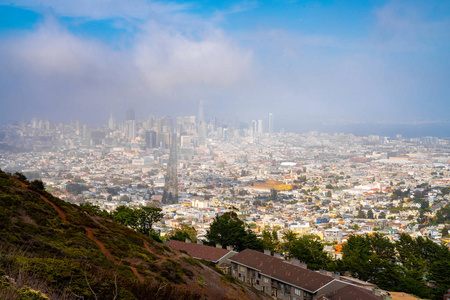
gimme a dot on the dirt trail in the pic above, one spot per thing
(146, 246)
(61, 214)
(89, 234)
(135, 271)
(161, 258)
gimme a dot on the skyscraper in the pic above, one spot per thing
(150, 139)
(201, 114)
(130, 115)
(111, 122)
(260, 126)
(170, 194)
(270, 123)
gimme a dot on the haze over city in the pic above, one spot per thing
(343, 66)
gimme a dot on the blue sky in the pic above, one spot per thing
(333, 62)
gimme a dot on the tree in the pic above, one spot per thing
(370, 214)
(124, 198)
(444, 231)
(309, 249)
(361, 215)
(94, 209)
(183, 233)
(329, 194)
(356, 253)
(229, 230)
(38, 184)
(20, 176)
(141, 219)
(270, 240)
(147, 216)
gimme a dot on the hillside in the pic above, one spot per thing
(56, 248)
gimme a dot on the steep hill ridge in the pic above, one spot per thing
(55, 247)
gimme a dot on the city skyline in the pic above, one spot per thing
(314, 65)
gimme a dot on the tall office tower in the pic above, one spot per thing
(170, 194)
(260, 126)
(201, 114)
(225, 134)
(111, 122)
(254, 126)
(130, 115)
(270, 123)
(131, 129)
(150, 139)
(150, 122)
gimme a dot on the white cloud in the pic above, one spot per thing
(102, 9)
(50, 66)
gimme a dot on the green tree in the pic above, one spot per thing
(309, 249)
(444, 231)
(270, 240)
(38, 184)
(356, 253)
(147, 216)
(369, 214)
(229, 230)
(141, 219)
(183, 233)
(361, 215)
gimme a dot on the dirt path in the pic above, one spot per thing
(89, 233)
(61, 214)
(135, 271)
(161, 258)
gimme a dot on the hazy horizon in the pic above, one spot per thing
(330, 65)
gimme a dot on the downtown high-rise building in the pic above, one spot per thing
(270, 127)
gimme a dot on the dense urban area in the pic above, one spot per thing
(327, 187)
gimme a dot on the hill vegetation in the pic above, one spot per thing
(53, 249)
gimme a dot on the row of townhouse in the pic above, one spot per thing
(292, 281)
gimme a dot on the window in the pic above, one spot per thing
(242, 269)
(257, 282)
(259, 275)
(297, 292)
(266, 280)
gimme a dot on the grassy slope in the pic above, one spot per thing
(71, 254)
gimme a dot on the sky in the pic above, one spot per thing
(334, 63)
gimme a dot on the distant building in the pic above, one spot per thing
(292, 280)
(216, 255)
(150, 140)
(270, 129)
(333, 235)
(130, 115)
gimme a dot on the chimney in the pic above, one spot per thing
(219, 246)
(336, 275)
(387, 296)
(230, 248)
(267, 252)
(187, 240)
(303, 265)
(322, 271)
(277, 255)
(199, 241)
(376, 291)
(347, 273)
(295, 262)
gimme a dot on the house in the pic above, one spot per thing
(216, 255)
(287, 280)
